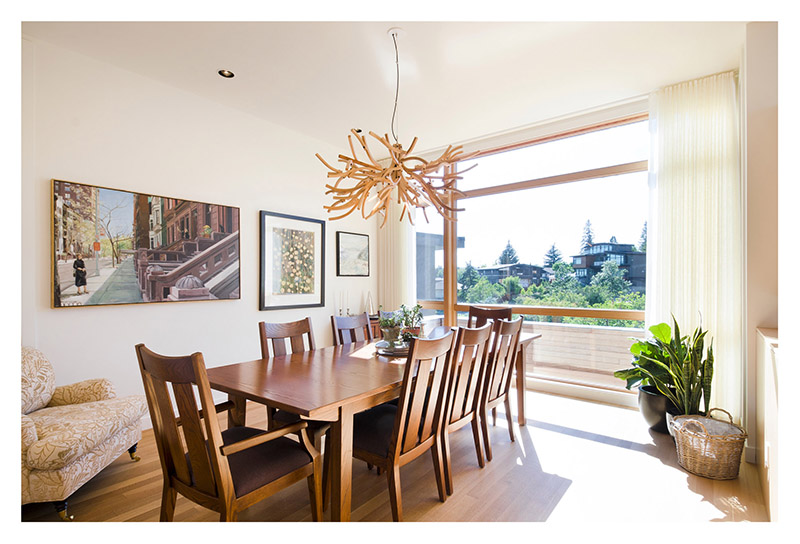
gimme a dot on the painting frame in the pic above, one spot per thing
(292, 261)
(350, 261)
(134, 249)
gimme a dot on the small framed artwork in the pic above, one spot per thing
(352, 254)
(292, 262)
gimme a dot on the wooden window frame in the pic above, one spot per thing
(450, 305)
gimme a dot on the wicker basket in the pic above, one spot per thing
(709, 447)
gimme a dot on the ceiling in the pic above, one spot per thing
(458, 81)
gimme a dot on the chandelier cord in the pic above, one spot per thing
(397, 85)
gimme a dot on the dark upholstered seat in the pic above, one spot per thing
(372, 429)
(262, 464)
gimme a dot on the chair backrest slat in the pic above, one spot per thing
(470, 358)
(194, 437)
(479, 316)
(274, 335)
(166, 430)
(421, 405)
(349, 329)
(504, 353)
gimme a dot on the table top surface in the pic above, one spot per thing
(315, 383)
(312, 383)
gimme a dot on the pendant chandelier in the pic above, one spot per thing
(417, 182)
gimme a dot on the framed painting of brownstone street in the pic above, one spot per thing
(119, 247)
(292, 262)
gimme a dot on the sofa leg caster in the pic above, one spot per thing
(132, 453)
(61, 510)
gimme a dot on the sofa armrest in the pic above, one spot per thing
(29, 435)
(85, 391)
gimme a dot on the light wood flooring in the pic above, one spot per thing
(573, 460)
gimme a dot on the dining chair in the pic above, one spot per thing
(478, 316)
(273, 338)
(390, 436)
(351, 328)
(225, 471)
(499, 373)
(469, 360)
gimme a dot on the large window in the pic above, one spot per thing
(557, 230)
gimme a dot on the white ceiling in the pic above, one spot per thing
(458, 81)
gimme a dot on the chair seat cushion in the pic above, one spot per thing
(257, 466)
(68, 432)
(372, 429)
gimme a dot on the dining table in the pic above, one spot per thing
(327, 384)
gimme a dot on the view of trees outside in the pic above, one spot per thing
(542, 229)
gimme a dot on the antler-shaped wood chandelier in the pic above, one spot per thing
(417, 181)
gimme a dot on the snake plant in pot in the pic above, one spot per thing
(674, 367)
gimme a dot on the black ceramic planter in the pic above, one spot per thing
(653, 406)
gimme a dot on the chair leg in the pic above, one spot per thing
(168, 497)
(326, 472)
(132, 453)
(494, 416)
(509, 418)
(393, 475)
(476, 435)
(369, 466)
(61, 510)
(315, 487)
(448, 469)
(229, 515)
(270, 421)
(486, 443)
(436, 453)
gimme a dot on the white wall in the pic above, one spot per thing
(760, 102)
(90, 122)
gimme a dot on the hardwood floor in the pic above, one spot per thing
(574, 459)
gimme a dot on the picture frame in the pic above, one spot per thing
(292, 270)
(352, 254)
(114, 247)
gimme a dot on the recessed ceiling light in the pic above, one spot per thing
(226, 73)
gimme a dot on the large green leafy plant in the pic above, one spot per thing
(675, 365)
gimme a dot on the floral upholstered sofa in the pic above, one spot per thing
(71, 432)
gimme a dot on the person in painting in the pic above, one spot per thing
(80, 274)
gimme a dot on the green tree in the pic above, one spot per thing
(511, 289)
(508, 256)
(484, 292)
(564, 279)
(467, 277)
(611, 280)
(588, 237)
(643, 238)
(552, 256)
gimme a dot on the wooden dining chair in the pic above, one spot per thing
(499, 373)
(351, 328)
(478, 316)
(273, 338)
(390, 436)
(225, 471)
(470, 358)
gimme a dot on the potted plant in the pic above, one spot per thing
(412, 321)
(653, 404)
(391, 325)
(676, 367)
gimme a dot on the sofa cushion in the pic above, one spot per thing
(38, 380)
(67, 432)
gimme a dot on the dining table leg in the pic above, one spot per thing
(237, 414)
(341, 464)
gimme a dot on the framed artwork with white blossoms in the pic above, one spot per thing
(292, 262)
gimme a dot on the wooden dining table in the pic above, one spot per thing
(328, 384)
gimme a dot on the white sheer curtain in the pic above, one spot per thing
(396, 253)
(695, 231)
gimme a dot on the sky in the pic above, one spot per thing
(122, 217)
(534, 219)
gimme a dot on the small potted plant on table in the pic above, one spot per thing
(412, 321)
